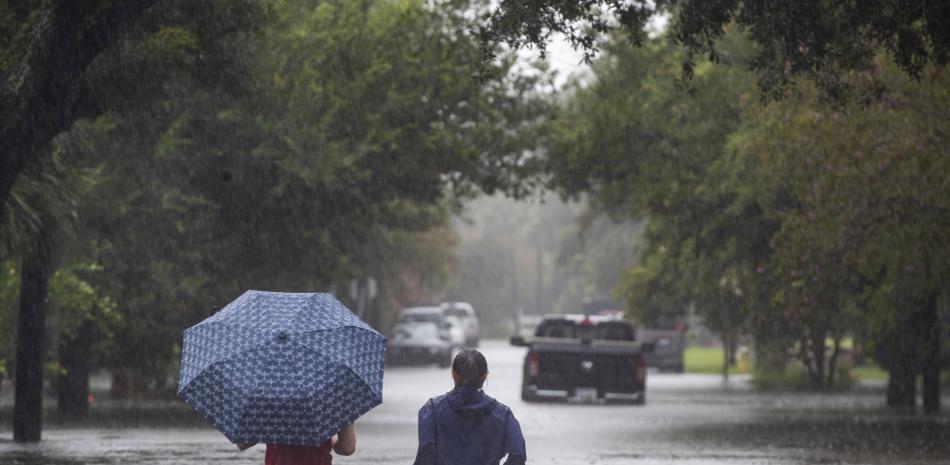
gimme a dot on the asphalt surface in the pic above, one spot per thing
(688, 419)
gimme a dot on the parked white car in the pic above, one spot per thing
(413, 343)
(464, 314)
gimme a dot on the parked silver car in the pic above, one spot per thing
(418, 343)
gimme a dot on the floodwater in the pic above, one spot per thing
(688, 419)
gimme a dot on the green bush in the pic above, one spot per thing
(795, 377)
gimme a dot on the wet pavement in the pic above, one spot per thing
(688, 419)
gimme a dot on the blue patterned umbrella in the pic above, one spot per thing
(276, 367)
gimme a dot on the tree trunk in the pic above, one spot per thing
(930, 355)
(901, 390)
(726, 345)
(833, 362)
(808, 357)
(814, 356)
(122, 384)
(30, 344)
(901, 362)
(818, 347)
(75, 358)
(733, 350)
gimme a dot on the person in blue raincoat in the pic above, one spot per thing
(465, 426)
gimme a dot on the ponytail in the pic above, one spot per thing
(469, 367)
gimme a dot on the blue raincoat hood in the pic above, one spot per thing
(467, 427)
(470, 401)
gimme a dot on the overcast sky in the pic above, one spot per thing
(567, 61)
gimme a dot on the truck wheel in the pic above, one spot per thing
(642, 400)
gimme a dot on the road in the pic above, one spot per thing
(688, 419)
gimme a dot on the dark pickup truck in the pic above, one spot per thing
(583, 356)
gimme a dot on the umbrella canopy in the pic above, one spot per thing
(287, 368)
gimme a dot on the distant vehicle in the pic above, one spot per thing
(450, 328)
(668, 340)
(667, 337)
(525, 325)
(430, 314)
(455, 332)
(418, 343)
(468, 322)
(583, 356)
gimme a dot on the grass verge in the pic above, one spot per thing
(708, 360)
(869, 371)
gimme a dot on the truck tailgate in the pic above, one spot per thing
(567, 364)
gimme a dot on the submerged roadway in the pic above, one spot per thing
(688, 419)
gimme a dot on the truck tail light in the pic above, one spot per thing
(640, 368)
(534, 364)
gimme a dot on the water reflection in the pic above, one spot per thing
(876, 437)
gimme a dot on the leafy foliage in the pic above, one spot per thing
(823, 42)
(797, 223)
(863, 209)
(355, 132)
(644, 149)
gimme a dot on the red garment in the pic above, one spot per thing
(283, 454)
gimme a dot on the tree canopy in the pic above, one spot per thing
(283, 146)
(795, 223)
(823, 42)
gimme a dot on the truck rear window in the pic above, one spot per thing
(611, 331)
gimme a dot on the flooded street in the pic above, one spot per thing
(687, 419)
(240, 200)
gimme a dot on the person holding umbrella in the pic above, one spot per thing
(290, 370)
(465, 426)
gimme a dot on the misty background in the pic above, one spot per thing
(538, 256)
